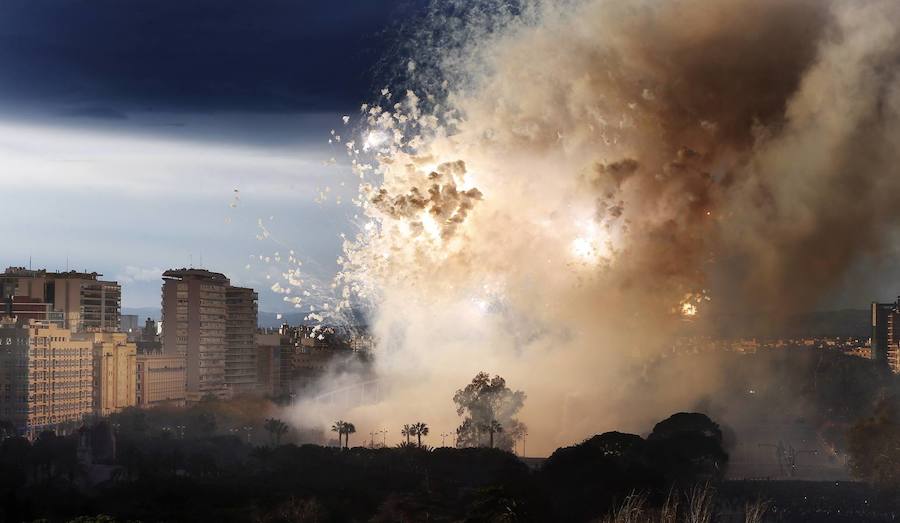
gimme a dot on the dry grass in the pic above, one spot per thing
(632, 510)
(754, 512)
(701, 504)
(698, 505)
(668, 512)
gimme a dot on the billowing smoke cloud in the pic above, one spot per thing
(575, 178)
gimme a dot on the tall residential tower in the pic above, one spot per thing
(213, 325)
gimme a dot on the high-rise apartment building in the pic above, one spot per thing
(115, 372)
(160, 380)
(240, 340)
(886, 334)
(213, 325)
(46, 377)
(193, 318)
(85, 303)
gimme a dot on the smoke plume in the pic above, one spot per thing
(569, 182)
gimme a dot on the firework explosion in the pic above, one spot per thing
(582, 176)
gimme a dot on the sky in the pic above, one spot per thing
(146, 135)
(152, 134)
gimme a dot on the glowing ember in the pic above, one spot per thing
(688, 309)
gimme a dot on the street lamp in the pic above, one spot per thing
(443, 438)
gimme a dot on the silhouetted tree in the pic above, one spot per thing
(339, 426)
(687, 446)
(349, 428)
(276, 428)
(407, 431)
(492, 427)
(484, 401)
(692, 422)
(874, 446)
(7, 429)
(420, 429)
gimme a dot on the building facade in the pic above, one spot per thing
(886, 334)
(46, 377)
(86, 303)
(160, 380)
(25, 308)
(115, 372)
(193, 318)
(213, 325)
(240, 340)
(269, 348)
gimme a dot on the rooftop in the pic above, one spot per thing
(193, 274)
(22, 272)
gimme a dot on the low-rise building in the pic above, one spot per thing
(160, 380)
(115, 372)
(268, 360)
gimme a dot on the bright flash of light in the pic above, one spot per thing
(431, 226)
(688, 309)
(583, 250)
(374, 139)
(592, 246)
(689, 306)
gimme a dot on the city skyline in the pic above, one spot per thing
(249, 108)
(450, 260)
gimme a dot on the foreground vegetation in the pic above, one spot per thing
(235, 461)
(158, 476)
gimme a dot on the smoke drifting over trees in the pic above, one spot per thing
(489, 407)
(568, 180)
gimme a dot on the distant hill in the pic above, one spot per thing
(843, 323)
(143, 313)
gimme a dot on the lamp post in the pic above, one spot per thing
(444, 439)
(384, 440)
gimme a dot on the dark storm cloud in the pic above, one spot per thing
(198, 55)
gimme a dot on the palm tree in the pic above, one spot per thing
(349, 428)
(420, 429)
(339, 426)
(407, 431)
(493, 427)
(276, 428)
